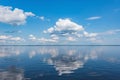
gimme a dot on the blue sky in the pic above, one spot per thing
(44, 22)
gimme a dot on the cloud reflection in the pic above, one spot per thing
(12, 73)
(67, 60)
(6, 51)
(64, 59)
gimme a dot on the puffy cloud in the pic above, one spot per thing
(71, 39)
(13, 16)
(66, 31)
(64, 26)
(86, 34)
(4, 38)
(32, 37)
(94, 18)
(71, 30)
(29, 14)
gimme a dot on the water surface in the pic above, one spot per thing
(63, 62)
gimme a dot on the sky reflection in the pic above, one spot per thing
(13, 73)
(63, 59)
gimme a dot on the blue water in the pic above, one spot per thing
(63, 62)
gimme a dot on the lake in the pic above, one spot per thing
(60, 62)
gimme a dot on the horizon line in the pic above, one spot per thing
(59, 45)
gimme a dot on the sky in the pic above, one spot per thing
(60, 22)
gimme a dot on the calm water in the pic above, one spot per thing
(63, 62)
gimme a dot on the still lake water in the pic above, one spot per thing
(63, 62)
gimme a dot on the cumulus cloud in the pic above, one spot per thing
(69, 29)
(71, 39)
(13, 16)
(93, 18)
(64, 26)
(66, 31)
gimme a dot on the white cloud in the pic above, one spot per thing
(8, 38)
(86, 34)
(92, 37)
(53, 38)
(32, 37)
(2, 37)
(44, 40)
(29, 14)
(66, 31)
(13, 16)
(94, 18)
(16, 39)
(71, 39)
(42, 18)
(64, 26)
(71, 30)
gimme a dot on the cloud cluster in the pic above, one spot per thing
(65, 28)
(12, 73)
(10, 51)
(43, 40)
(13, 16)
(86, 34)
(65, 31)
(4, 38)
